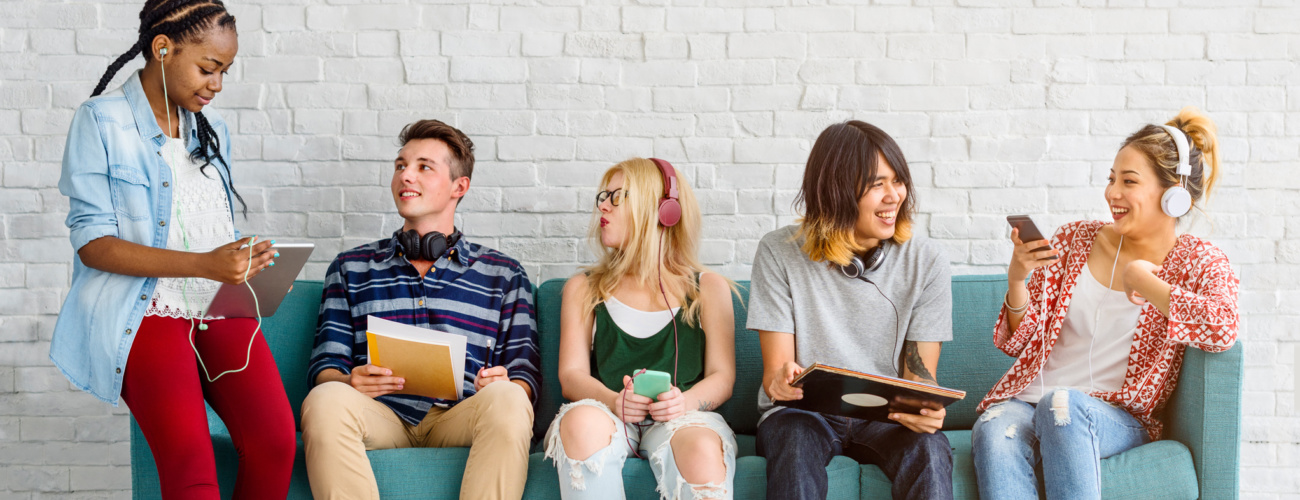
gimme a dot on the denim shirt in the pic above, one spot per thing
(117, 185)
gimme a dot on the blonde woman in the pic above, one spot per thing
(647, 303)
(1099, 331)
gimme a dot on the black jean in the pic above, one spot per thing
(799, 444)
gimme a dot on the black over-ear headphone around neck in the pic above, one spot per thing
(428, 247)
(858, 267)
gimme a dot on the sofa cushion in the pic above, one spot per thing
(639, 482)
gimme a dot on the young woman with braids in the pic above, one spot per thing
(151, 220)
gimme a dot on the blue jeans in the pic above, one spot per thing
(799, 444)
(1069, 433)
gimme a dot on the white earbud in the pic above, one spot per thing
(162, 51)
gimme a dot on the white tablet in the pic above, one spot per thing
(271, 285)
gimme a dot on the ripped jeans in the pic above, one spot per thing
(600, 475)
(1069, 432)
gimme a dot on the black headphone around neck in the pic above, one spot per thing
(428, 247)
(858, 267)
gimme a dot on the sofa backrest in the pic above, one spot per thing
(969, 362)
(291, 334)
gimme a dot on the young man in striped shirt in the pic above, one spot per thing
(466, 289)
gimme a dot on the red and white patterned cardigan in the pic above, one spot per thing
(1202, 314)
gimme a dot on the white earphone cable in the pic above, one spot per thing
(185, 282)
(1096, 316)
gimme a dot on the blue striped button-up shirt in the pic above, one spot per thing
(473, 291)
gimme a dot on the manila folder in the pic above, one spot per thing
(424, 358)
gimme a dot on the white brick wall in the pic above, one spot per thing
(1001, 105)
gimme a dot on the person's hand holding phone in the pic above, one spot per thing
(630, 406)
(1028, 256)
(668, 405)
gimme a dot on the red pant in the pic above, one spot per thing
(165, 389)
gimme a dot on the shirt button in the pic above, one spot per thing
(143, 297)
(119, 370)
(421, 301)
(162, 223)
(128, 331)
(165, 184)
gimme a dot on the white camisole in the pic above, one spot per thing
(637, 323)
(1094, 308)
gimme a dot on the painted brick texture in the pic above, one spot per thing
(1002, 106)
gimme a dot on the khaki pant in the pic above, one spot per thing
(339, 424)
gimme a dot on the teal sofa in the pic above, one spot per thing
(1198, 458)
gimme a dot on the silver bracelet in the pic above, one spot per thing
(1014, 310)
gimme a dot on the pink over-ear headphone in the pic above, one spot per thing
(670, 211)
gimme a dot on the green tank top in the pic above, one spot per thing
(615, 353)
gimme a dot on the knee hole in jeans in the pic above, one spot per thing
(584, 430)
(696, 451)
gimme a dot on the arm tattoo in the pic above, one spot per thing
(912, 358)
(707, 405)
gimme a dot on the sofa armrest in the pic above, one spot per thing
(1205, 414)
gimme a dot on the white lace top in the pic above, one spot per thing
(200, 222)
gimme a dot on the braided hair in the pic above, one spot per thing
(182, 21)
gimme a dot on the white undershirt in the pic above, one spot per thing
(637, 323)
(1093, 308)
(203, 219)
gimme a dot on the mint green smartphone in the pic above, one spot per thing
(651, 384)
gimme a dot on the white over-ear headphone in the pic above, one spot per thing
(1177, 201)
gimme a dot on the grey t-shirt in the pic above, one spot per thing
(845, 322)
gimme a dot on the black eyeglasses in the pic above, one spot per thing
(615, 197)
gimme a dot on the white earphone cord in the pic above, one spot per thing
(1092, 386)
(185, 282)
(1096, 317)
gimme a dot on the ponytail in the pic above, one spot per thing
(1204, 137)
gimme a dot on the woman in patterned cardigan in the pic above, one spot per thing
(1098, 332)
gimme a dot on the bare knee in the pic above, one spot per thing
(584, 430)
(698, 452)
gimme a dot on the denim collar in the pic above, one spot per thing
(144, 118)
